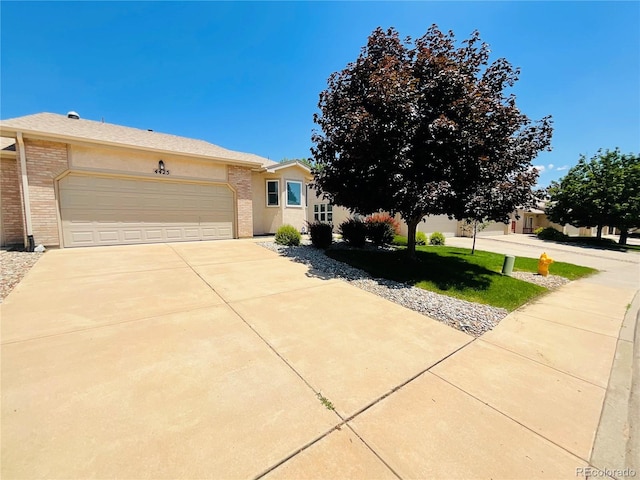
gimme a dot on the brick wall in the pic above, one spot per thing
(240, 180)
(12, 213)
(45, 161)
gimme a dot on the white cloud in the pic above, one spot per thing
(564, 167)
(540, 168)
(550, 166)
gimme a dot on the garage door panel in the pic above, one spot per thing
(110, 211)
(216, 231)
(82, 237)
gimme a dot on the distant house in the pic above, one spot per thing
(531, 219)
(527, 222)
(71, 182)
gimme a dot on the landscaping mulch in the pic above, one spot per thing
(13, 267)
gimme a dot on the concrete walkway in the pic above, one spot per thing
(219, 359)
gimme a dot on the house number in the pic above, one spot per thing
(161, 170)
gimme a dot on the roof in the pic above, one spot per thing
(69, 129)
(272, 167)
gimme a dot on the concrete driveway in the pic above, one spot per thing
(218, 360)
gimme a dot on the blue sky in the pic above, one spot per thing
(247, 75)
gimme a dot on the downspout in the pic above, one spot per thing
(25, 193)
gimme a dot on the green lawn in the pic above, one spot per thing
(455, 272)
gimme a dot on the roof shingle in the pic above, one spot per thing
(89, 130)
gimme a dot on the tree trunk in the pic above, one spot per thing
(475, 232)
(412, 226)
(624, 234)
(599, 232)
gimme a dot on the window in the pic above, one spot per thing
(323, 212)
(273, 193)
(294, 194)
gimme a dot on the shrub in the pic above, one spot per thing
(354, 232)
(384, 218)
(421, 238)
(288, 235)
(400, 241)
(551, 233)
(380, 233)
(437, 238)
(538, 230)
(321, 234)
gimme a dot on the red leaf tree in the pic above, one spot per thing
(425, 128)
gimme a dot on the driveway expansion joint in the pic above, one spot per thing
(541, 363)
(538, 434)
(111, 324)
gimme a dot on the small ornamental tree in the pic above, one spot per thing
(604, 190)
(419, 128)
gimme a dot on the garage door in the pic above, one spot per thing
(97, 210)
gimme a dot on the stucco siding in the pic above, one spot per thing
(119, 160)
(266, 220)
(339, 214)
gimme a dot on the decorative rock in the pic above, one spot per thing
(14, 266)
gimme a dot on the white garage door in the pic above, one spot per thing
(98, 210)
(439, 223)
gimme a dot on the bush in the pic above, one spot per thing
(538, 230)
(354, 232)
(321, 234)
(551, 233)
(288, 235)
(400, 241)
(384, 218)
(421, 238)
(437, 238)
(380, 233)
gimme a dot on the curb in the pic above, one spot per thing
(616, 449)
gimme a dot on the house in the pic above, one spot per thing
(531, 219)
(69, 182)
(72, 182)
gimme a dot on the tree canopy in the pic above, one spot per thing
(425, 128)
(604, 190)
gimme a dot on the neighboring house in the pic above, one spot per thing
(321, 210)
(533, 218)
(72, 182)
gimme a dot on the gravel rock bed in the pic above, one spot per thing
(13, 267)
(550, 281)
(472, 318)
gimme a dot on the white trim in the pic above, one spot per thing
(25, 184)
(266, 189)
(286, 194)
(279, 166)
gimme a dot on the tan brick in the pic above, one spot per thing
(12, 217)
(45, 161)
(240, 180)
